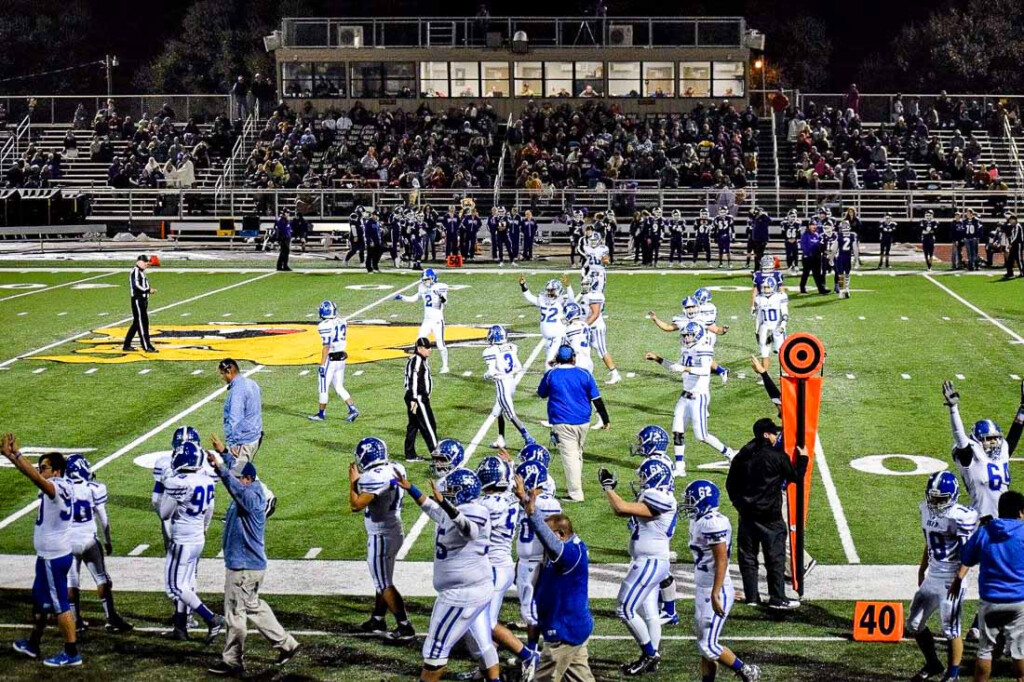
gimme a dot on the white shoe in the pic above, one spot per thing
(680, 469)
(729, 454)
(445, 370)
(500, 443)
(614, 378)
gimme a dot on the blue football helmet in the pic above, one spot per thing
(189, 457)
(691, 306)
(703, 295)
(430, 276)
(768, 285)
(494, 472)
(534, 452)
(371, 452)
(328, 310)
(942, 492)
(572, 311)
(78, 468)
(988, 434)
(461, 486)
(651, 441)
(182, 435)
(692, 333)
(700, 498)
(553, 288)
(496, 334)
(448, 457)
(655, 474)
(533, 473)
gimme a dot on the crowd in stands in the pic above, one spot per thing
(361, 148)
(832, 145)
(596, 144)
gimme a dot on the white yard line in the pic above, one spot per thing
(181, 415)
(129, 319)
(421, 521)
(845, 537)
(1014, 335)
(55, 286)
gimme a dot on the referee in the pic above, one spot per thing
(140, 304)
(417, 400)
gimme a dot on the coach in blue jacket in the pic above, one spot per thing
(570, 391)
(811, 247)
(998, 550)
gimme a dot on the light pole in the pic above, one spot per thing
(760, 66)
(109, 62)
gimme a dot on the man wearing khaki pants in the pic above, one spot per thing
(570, 391)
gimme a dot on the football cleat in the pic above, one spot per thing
(528, 670)
(215, 628)
(679, 471)
(317, 417)
(62, 660)
(402, 633)
(749, 673)
(24, 647)
(644, 664)
(445, 370)
(374, 626)
(613, 378)
(929, 672)
(668, 618)
(118, 625)
(498, 443)
(353, 414)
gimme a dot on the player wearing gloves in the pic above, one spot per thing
(333, 335)
(503, 366)
(435, 298)
(551, 304)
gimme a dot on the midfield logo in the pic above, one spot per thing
(283, 343)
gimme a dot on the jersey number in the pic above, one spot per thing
(998, 476)
(65, 514)
(937, 544)
(549, 315)
(525, 532)
(771, 315)
(339, 333)
(83, 511)
(201, 497)
(509, 364)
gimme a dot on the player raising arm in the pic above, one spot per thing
(435, 298)
(551, 304)
(698, 308)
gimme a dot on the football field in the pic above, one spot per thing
(66, 384)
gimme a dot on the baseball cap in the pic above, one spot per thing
(424, 342)
(249, 470)
(152, 260)
(765, 425)
(565, 354)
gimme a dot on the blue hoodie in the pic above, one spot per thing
(998, 548)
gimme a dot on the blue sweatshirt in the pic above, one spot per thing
(244, 523)
(998, 548)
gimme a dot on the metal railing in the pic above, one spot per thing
(11, 149)
(879, 106)
(580, 31)
(1014, 152)
(499, 177)
(238, 152)
(53, 109)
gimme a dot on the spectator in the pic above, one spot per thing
(570, 391)
(997, 548)
(240, 95)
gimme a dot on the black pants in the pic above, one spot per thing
(282, 257)
(759, 245)
(1014, 254)
(928, 246)
(140, 323)
(422, 421)
(353, 249)
(885, 246)
(771, 539)
(792, 254)
(373, 254)
(812, 265)
(702, 245)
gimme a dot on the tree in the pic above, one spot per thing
(800, 52)
(47, 35)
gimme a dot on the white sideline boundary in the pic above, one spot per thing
(48, 346)
(27, 509)
(55, 286)
(845, 537)
(1014, 335)
(421, 521)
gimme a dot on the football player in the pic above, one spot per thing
(929, 228)
(593, 302)
(792, 230)
(333, 333)
(947, 526)
(677, 235)
(652, 522)
(692, 407)
(188, 502)
(90, 507)
(551, 304)
(463, 578)
(594, 254)
(529, 552)
(983, 457)
(847, 253)
(162, 469)
(771, 311)
(577, 335)
(887, 230)
(374, 491)
(702, 236)
(502, 360)
(698, 308)
(495, 474)
(435, 298)
(725, 233)
(449, 456)
(711, 542)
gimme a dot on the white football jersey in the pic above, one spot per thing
(944, 536)
(333, 333)
(711, 529)
(590, 298)
(435, 297)
(461, 561)
(384, 514)
(88, 496)
(52, 534)
(194, 492)
(528, 547)
(651, 537)
(594, 256)
(771, 310)
(698, 360)
(504, 514)
(552, 324)
(502, 361)
(161, 470)
(986, 478)
(577, 335)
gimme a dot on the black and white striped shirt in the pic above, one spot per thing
(139, 283)
(417, 377)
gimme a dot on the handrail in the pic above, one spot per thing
(53, 109)
(12, 147)
(499, 177)
(1014, 152)
(227, 177)
(775, 158)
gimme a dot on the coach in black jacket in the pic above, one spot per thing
(754, 484)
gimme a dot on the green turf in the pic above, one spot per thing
(304, 462)
(345, 655)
